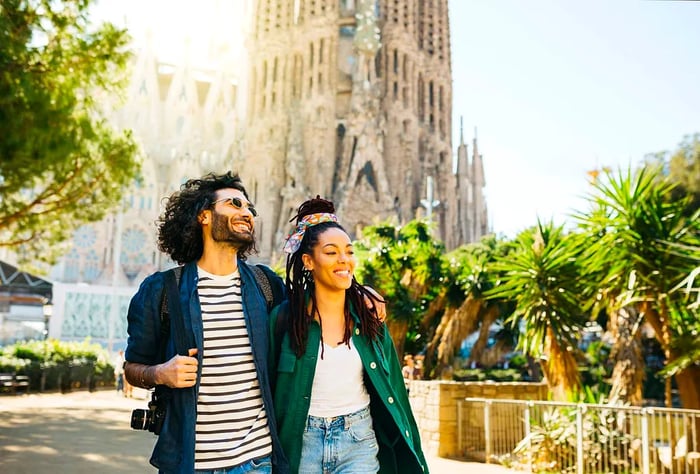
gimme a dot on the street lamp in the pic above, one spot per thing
(48, 312)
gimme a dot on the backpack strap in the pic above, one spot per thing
(272, 292)
(169, 293)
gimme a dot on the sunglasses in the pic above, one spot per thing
(238, 204)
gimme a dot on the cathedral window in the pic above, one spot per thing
(320, 51)
(72, 265)
(85, 237)
(378, 65)
(347, 7)
(421, 98)
(296, 76)
(91, 268)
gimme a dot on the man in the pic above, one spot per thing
(219, 415)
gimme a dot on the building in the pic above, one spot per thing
(24, 305)
(185, 111)
(347, 99)
(352, 100)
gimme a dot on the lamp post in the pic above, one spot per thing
(48, 312)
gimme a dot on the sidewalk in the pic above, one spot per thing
(83, 433)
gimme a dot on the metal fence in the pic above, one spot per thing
(552, 437)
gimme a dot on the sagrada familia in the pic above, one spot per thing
(352, 100)
(348, 99)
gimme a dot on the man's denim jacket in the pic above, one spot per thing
(174, 450)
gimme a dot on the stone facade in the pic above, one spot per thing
(352, 100)
(347, 99)
(186, 117)
(434, 405)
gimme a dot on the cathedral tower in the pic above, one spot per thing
(352, 100)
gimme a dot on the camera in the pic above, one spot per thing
(151, 419)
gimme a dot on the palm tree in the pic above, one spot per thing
(641, 245)
(404, 264)
(542, 278)
(467, 277)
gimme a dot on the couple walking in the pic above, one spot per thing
(312, 386)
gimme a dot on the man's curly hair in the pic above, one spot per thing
(179, 230)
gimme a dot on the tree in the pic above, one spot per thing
(543, 278)
(643, 244)
(61, 165)
(404, 264)
(682, 167)
(464, 309)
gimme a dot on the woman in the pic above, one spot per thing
(340, 400)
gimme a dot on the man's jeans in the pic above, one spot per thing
(342, 444)
(255, 466)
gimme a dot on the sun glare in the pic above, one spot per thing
(206, 32)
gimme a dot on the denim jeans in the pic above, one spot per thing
(254, 466)
(340, 445)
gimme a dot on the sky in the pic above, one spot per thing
(557, 88)
(554, 88)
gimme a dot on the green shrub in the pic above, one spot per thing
(54, 364)
(469, 375)
(504, 375)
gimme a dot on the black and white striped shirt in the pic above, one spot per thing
(231, 420)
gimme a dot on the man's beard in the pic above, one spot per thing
(222, 232)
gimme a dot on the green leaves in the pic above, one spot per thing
(542, 276)
(61, 164)
(404, 264)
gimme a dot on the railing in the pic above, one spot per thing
(552, 437)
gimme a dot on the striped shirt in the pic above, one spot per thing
(231, 420)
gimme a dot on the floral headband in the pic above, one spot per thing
(294, 239)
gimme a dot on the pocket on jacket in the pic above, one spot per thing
(287, 362)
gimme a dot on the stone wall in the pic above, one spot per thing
(434, 404)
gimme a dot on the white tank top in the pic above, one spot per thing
(338, 387)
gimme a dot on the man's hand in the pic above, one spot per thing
(178, 372)
(380, 305)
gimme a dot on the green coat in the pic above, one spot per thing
(394, 425)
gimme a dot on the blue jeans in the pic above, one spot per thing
(342, 444)
(254, 466)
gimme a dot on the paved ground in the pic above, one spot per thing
(84, 432)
